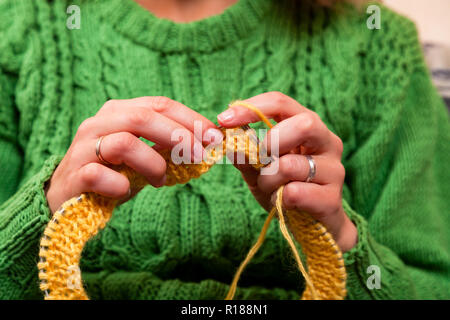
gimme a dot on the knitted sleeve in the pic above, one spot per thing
(23, 210)
(398, 175)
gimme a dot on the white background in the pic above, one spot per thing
(431, 16)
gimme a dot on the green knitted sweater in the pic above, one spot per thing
(371, 87)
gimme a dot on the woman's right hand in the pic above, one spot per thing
(122, 122)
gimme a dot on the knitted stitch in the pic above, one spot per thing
(370, 87)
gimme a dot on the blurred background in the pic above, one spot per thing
(433, 21)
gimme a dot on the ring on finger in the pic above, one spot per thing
(99, 153)
(312, 168)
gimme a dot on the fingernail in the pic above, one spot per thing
(198, 153)
(161, 182)
(214, 136)
(273, 198)
(225, 116)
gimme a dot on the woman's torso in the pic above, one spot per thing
(186, 239)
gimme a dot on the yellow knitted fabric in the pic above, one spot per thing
(81, 218)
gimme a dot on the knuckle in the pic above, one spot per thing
(90, 174)
(277, 97)
(122, 142)
(309, 121)
(340, 172)
(306, 124)
(140, 117)
(291, 194)
(339, 145)
(109, 105)
(75, 155)
(288, 164)
(334, 201)
(161, 104)
(86, 126)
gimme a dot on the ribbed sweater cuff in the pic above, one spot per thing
(370, 259)
(22, 220)
(358, 259)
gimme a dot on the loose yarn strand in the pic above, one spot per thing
(250, 254)
(254, 109)
(284, 231)
(287, 236)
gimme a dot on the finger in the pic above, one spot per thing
(249, 174)
(123, 147)
(102, 180)
(295, 167)
(143, 122)
(322, 202)
(304, 129)
(202, 127)
(274, 105)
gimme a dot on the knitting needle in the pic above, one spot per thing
(252, 135)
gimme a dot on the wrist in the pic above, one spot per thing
(49, 195)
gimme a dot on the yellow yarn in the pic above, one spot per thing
(81, 218)
(287, 236)
(318, 266)
(250, 254)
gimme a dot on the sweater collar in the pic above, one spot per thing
(209, 34)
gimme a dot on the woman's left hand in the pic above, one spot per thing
(300, 132)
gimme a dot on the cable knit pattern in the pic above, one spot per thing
(371, 87)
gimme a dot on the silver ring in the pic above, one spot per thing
(98, 152)
(312, 168)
